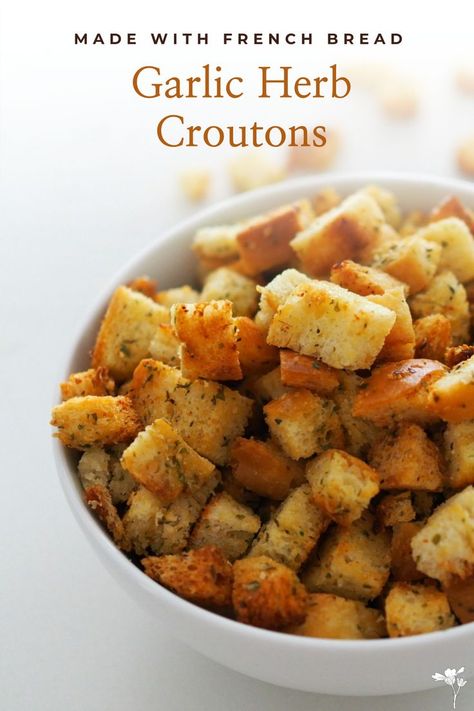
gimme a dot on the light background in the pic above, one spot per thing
(84, 186)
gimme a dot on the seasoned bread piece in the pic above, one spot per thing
(447, 296)
(395, 508)
(399, 392)
(359, 433)
(299, 371)
(144, 285)
(325, 200)
(459, 453)
(267, 594)
(412, 260)
(94, 420)
(227, 525)
(403, 564)
(227, 284)
(457, 246)
(412, 222)
(407, 459)
(275, 293)
(255, 355)
(461, 598)
(263, 468)
(352, 561)
(160, 460)
(209, 340)
(121, 483)
(388, 203)
(456, 354)
(93, 467)
(416, 609)
(363, 280)
(95, 381)
(400, 342)
(203, 576)
(293, 530)
(217, 243)
(164, 346)
(323, 320)
(303, 423)
(433, 335)
(341, 485)
(179, 295)
(269, 386)
(452, 396)
(444, 548)
(152, 388)
(451, 206)
(126, 331)
(334, 617)
(99, 500)
(340, 233)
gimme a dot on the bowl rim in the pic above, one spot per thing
(68, 479)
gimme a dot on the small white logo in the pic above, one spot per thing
(451, 678)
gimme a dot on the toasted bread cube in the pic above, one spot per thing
(267, 594)
(334, 617)
(416, 609)
(179, 295)
(164, 345)
(293, 531)
(209, 341)
(217, 243)
(445, 295)
(160, 460)
(451, 206)
(275, 293)
(93, 467)
(461, 599)
(299, 371)
(95, 420)
(457, 354)
(433, 335)
(152, 388)
(444, 548)
(99, 500)
(412, 222)
(325, 321)
(144, 285)
(395, 508)
(303, 424)
(388, 203)
(225, 283)
(412, 260)
(400, 342)
(341, 485)
(95, 381)
(126, 331)
(359, 433)
(255, 355)
(398, 392)
(363, 280)
(263, 468)
(325, 200)
(203, 576)
(424, 502)
(121, 483)
(269, 386)
(457, 246)
(403, 564)
(227, 525)
(452, 396)
(459, 451)
(340, 233)
(353, 561)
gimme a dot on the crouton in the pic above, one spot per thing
(461, 599)
(433, 335)
(387, 202)
(160, 460)
(400, 342)
(456, 354)
(341, 485)
(95, 381)
(325, 200)
(399, 391)
(416, 609)
(293, 531)
(412, 222)
(299, 371)
(227, 284)
(255, 355)
(93, 467)
(412, 260)
(457, 246)
(359, 433)
(446, 296)
(152, 388)
(444, 548)
(451, 206)
(269, 386)
(407, 459)
(217, 243)
(144, 285)
(352, 561)
(303, 423)
(275, 293)
(424, 502)
(340, 233)
(325, 321)
(121, 483)
(203, 576)
(459, 450)
(164, 346)
(363, 280)
(395, 508)
(403, 564)
(263, 468)
(179, 295)
(267, 594)
(334, 617)
(452, 396)
(227, 525)
(209, 342)
(126, 331)
(99, 500)
(94, 420)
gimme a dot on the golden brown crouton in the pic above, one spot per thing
(461, 598)
(293, 531)
(459, 452)
(407, 459)
(209, 341)
(144, 285)
(341, 485)
(325, 321)
(416, 609)
(269, 386)
(359, 433)
(451, 206)
(395, 508)
(363, 280)
(217, 243)
(452, 396)
(99, 500)
(263, 468)
(121, 483)
(160, 460)
(95, 420)
(126, 331)
(457, 246)
(456, 354)
(412, 260)
(255, 355)
(303, 423)
(203, 576)
(334, 617)
(179, 295)
(95, 381)
(152, 388)
(275, 293)
(403, 564)
(412, 222)
(444, 548)
(433, 335)
(225, 524)
(227, 284)
(447, 296)
(399, 391)
(93, 467)
(164, 346)
(400, 342)
(325, 200)
(299, 371)
(352, 561)
(267, 594)
(387, 201)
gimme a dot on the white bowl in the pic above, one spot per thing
(369, 667)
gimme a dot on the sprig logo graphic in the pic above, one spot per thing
(451, 678)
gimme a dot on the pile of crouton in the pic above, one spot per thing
(291, 443)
